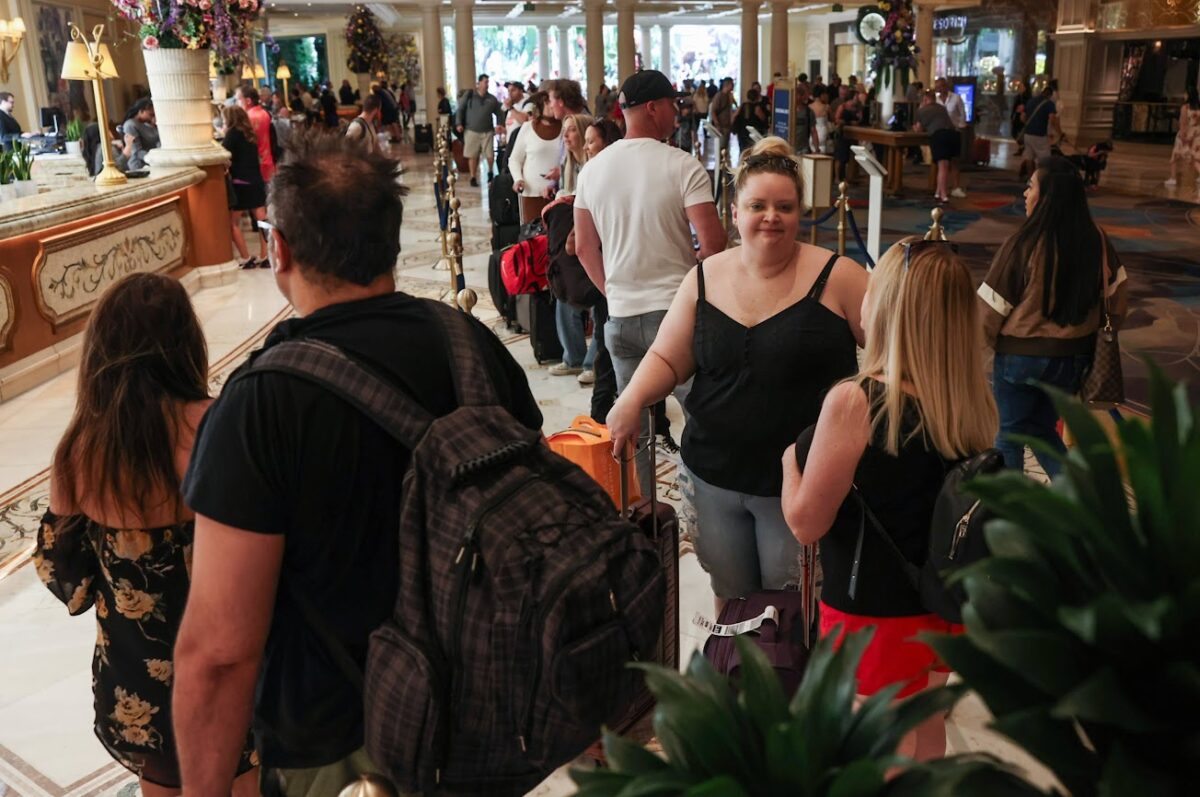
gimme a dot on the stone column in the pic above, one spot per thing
(564, 51)
(749, 72)
(543, 45)
(779, 38)
(925, 45)
(625, 43)
(594, 31)
(647, 58)
(665, 32)
(433, 55)
(464, 44)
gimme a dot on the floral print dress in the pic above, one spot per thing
(138, 581)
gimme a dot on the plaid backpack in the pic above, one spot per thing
(522, 596)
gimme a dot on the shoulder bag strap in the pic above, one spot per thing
(1104, 277)
(911, 572)
(472, 379)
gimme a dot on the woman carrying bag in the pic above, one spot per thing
(1053, 299)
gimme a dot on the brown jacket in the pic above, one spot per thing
(1011, 299)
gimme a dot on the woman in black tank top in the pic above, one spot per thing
(890, 441)
(765, 329)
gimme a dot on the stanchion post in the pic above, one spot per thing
(440, 193)
(936, 231)
(843, 202)
(454, 237)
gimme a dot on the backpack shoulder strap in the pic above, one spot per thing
(329, 367)
(472, 380)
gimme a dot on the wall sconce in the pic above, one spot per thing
(11, 33)
(92, 61)
(283, 73)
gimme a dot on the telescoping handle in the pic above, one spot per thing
(625, 468)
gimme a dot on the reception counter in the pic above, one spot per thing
(60, 249)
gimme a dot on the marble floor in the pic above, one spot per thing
(46, 745)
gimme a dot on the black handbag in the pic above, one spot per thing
(568, 281)
(1104, 385)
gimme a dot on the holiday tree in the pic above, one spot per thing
(368, 51)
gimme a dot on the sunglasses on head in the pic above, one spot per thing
(917, 246)
(774, 162)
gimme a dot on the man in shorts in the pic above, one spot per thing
(944, 139)
(480, 118)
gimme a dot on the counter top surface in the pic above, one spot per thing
(62, 205)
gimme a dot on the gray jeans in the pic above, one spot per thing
(627, 340)
(743, 541)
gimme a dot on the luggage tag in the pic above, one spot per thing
(744, 627)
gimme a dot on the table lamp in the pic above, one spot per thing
(283, 73)
(247, 72)
(92, 61)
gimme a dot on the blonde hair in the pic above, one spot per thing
(772, 155)
(582, 122)
(924, 331)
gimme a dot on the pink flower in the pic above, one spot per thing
(150, 42)
(205, 5)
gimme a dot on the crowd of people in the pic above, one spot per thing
(240, 552)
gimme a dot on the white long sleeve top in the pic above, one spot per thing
(533, 156)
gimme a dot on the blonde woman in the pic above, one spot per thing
(575, 153)
(764, 329)
(919, 404)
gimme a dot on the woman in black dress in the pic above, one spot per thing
(117, 535)
(248, 193)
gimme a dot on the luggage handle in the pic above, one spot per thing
(625, 463)
(744, 627)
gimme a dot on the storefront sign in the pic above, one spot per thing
(951, 26)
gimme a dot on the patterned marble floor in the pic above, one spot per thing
(46, 746)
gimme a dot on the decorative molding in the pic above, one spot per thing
(8, 312)
(72, 270)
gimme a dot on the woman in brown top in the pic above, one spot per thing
(117, 535)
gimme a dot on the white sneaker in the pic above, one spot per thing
(1170, 182)
(562, 369)
(958, 193)
(587, 377)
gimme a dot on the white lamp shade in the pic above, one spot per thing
(283, 73)
(17, 26)
(77, 63)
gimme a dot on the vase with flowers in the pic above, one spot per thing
(177, 38)
(895, 52)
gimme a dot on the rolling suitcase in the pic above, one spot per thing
(661, 525)
(503, 204)
(981, 151)
(535, 314)
(506, 304)
(460, 162)
(505, 235)
(423, 138)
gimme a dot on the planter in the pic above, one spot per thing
(8, 191)
(180, 88)
(219, 92)
(24, 188)
(75, 148)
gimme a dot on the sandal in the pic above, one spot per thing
(249, 264)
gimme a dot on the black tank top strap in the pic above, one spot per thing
(819, 286)
(700, 281)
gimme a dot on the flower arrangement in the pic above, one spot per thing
(219, 25)
(368, 50)
(897, 45)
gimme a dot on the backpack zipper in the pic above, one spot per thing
(960, 530)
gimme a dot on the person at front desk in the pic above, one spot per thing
(10, 128)
(140, 133)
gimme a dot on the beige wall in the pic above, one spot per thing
(27, 75)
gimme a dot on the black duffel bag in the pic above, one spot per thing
(568, 281)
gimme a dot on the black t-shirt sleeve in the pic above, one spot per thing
(512, 386)
(237, 472)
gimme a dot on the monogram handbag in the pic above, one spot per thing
(1104, 385)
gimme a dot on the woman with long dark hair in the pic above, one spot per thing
(1042, 298)
(117, 535)
(248, 192)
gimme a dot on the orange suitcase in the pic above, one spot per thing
(589, 445)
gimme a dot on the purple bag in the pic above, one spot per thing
(776, 621)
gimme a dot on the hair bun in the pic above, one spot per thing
(772, 146)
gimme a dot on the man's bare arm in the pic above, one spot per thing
(587, 247)
(708, 229)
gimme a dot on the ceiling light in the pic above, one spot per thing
(516, 11)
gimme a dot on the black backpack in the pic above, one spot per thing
(955, 537)
(502, 201)
(522, 594)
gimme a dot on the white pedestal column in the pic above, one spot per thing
(179, 84)
(543, 33)
(665, 32)
(564, 52)
(647, 58)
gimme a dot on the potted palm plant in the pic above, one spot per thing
(22, 169)
(722, 739)
(1082, 626)
(74, 135)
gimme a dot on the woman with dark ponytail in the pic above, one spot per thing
(1042, 298)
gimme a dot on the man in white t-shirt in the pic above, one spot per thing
(958, 115)
(635, 205)
(516, 108)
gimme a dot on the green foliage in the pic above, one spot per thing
(74, 131)
(6, 164)
(1082, 627)
(21, 161)
(746, 740)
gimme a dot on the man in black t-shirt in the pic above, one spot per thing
(298, 494)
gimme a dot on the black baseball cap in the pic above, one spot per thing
(647, 86)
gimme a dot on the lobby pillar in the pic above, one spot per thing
(625, 43)
(433, 54)
(925, 45)
(594, 31)
(647, 58)
(464, 44)
(543, 39)
(749, 72)
(564, 52)
(779, 38)
(665, 31)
